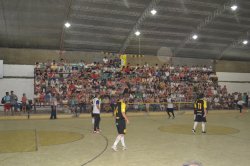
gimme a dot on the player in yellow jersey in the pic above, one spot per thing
(120, 120)
(200, 113)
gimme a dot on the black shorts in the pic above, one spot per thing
(121, 126)
(240, 106)
(200, 118)
(170, 109)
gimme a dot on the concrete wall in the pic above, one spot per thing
(19, 86)
(30, 56)
(18, 70)
(233, 66)
(18, 78)
(1, 69)
(235, 82)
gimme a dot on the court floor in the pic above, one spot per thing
(152, 140)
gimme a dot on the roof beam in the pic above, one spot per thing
(99, 27)
(93, 43)
(104, 19)
(158, 46)
(63, 29)
(99, 10)
(234, 44)
(204, 23)
(198, 3)
(143, 16)
(111, 2)
(4, 18)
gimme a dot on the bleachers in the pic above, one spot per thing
(75, 84)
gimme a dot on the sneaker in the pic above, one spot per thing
(114, 148)
(204, 132)
(193, 131)
(124, 148)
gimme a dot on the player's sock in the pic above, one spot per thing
(195, 125)
(123, 141)
(203, 125)
(117, 140)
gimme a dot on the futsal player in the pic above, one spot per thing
(96, 113)
(200, 113)
(170, 107)
(120, 120)
(240, 104)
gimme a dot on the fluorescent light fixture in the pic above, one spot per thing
(137, 33)
(234, 7)
(245, 42)
(195, 36)
(153, 11)
(67, 25)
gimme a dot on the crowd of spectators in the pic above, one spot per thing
(76, 84)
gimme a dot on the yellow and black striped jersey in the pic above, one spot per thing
(200, 105)
(120, 108)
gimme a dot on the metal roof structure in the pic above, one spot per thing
(109, 26)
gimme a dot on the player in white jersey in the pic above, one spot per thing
(96, 113)
(170, 107)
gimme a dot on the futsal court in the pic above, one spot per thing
(152, 139)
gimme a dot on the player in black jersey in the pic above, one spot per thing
(200, 113)
(120, 120)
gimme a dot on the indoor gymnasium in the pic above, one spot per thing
(124, 82)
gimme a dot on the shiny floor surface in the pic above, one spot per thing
(152, 140)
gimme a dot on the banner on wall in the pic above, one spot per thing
(1, 68)
(123, 60)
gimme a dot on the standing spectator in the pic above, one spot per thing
(6, 102)
(247, 100)
(82, 101)
(29, 107)
(13, 102)
(24, 102)
(112, 104)
(73, 105)
(53, 103)
(96, 113)
(170, 107)
(200, 113)
(105, 60)
(47, 98)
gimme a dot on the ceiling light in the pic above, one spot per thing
(153, 11)
(195, 37)
(67, 25)
(137, 33)
(245, 42)
(234, 7)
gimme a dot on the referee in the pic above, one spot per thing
(120, 120)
